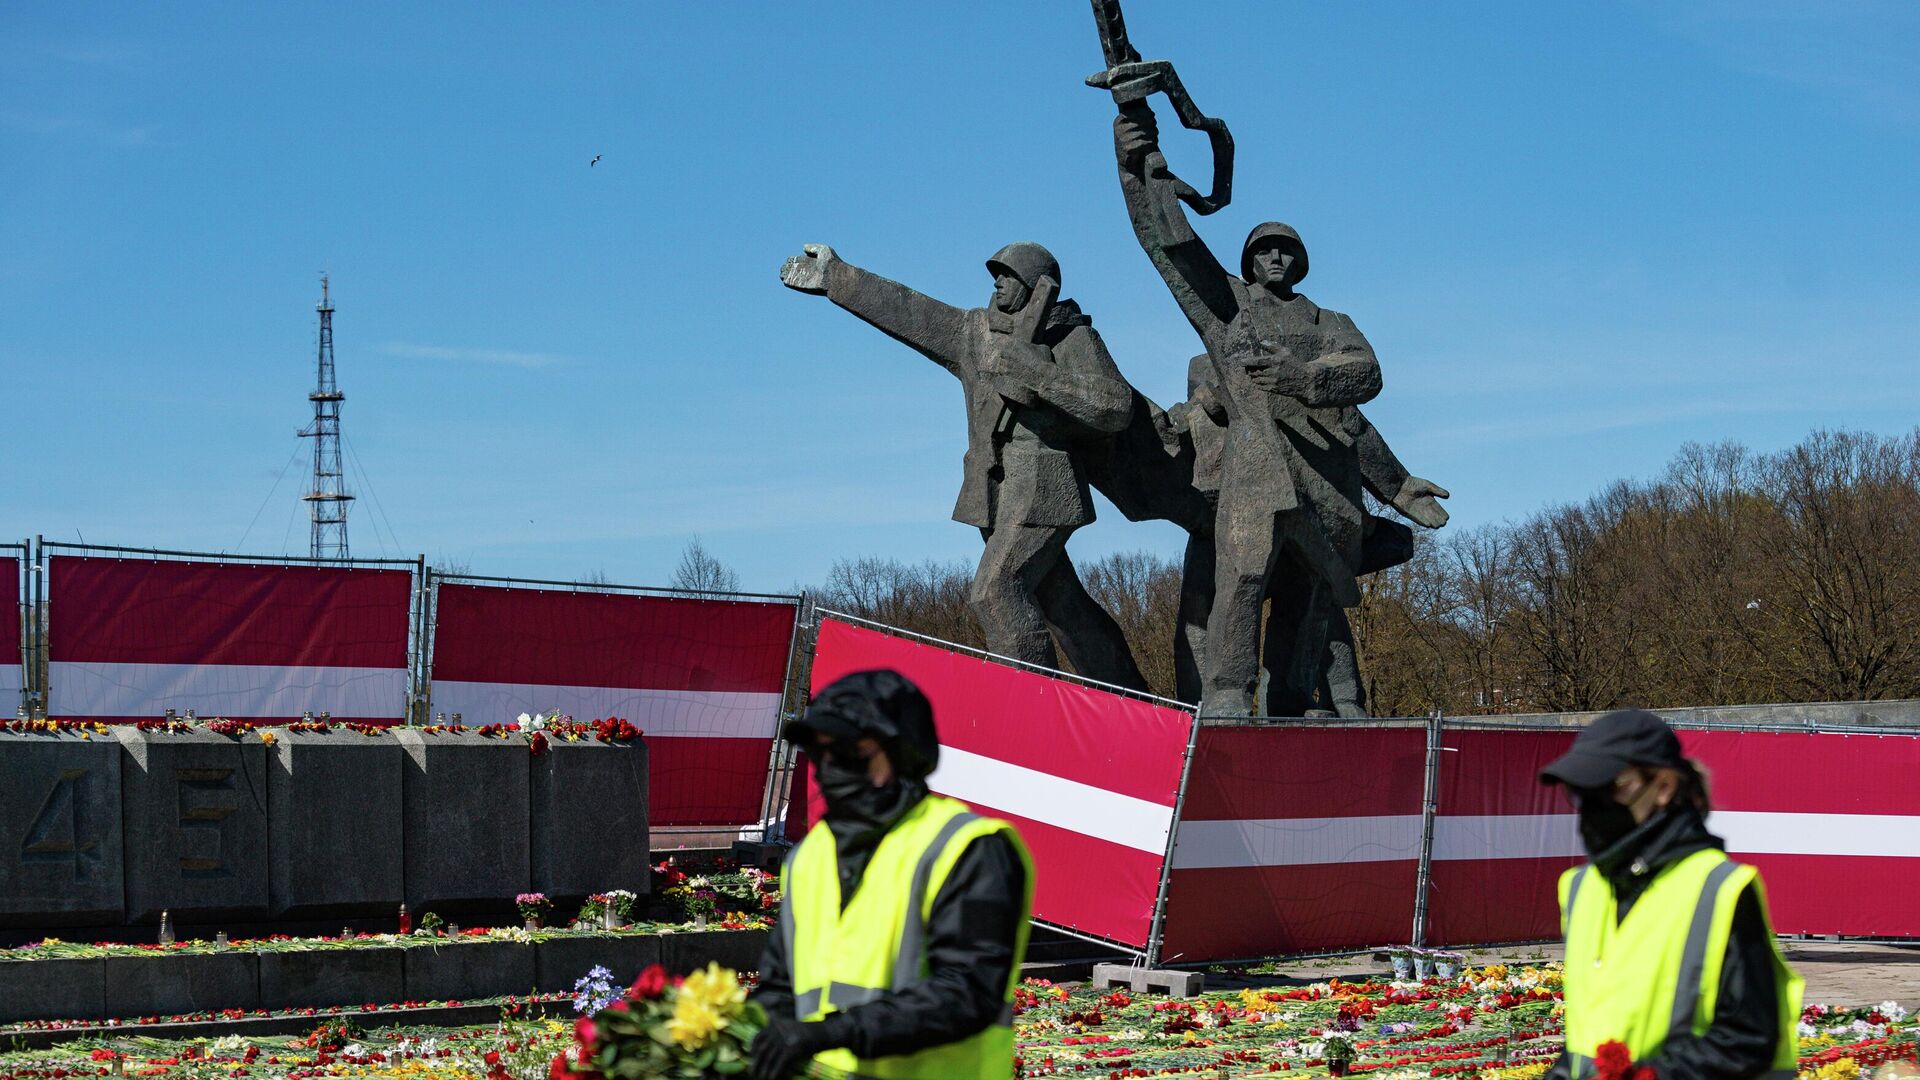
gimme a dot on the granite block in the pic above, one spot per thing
(52, 990)
(175, 983)
(334, 824)
(560, 962)
(464, 970)
(194, 822)
(60, 842)
(355, 976)
(692, 950)
(464, 800)
(611, 778)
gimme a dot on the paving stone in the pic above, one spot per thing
(465, 816)
(570, 861)
(334, 820)
(194, 822)
(60, 845)
(168, 985)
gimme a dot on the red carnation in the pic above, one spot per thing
(557, 1069)
(539, 743)
(586, 1034)
(651, 984)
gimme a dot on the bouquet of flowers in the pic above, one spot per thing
(664, 1027)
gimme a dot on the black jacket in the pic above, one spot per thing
(970, 939)
(1746, 1018)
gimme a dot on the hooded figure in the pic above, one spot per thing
(855, 979)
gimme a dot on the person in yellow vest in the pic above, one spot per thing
(1670, 951)
(903, 919)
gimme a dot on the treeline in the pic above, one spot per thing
(1733, 578)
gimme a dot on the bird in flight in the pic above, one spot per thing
(595, 161)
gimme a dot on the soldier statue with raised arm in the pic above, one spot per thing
(1040, 388)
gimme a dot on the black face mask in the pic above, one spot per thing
(849, 791)
(1603, 821)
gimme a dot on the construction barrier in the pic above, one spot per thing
(703, 678)
(13, 657)
(1295, 840)
(1089, 777)
(1297, 837)
(131, 638)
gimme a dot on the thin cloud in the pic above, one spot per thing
(496, 357)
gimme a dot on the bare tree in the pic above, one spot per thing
(700, 571)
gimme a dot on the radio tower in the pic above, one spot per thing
(327, 498)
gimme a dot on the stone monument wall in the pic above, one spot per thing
(100, 830)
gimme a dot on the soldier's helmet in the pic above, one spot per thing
(1025, 260)
(1268, 232)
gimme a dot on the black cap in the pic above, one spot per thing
(1612, 743)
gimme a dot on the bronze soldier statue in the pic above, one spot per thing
(1285, 375)
(1040, 388)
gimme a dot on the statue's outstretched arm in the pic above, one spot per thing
(1197, 280)
(1389, 481)
(915, 319)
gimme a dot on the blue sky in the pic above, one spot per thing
(1577, 235)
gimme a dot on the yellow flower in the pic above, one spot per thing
(267, 737)
(704, 1005)
(694, 1023)
(1844, 1069)
(716, 988)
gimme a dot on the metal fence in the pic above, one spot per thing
(792, 698)
(24, 619)
(36, 618)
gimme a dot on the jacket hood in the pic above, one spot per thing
(884, 705)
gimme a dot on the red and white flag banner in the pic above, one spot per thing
(702, 678)
(1090, 778)
(1831, 820)
(131, 638)
(12, 674)
(1295, 839)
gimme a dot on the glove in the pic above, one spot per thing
(784, 1046)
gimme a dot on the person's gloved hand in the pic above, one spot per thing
(784, 1046)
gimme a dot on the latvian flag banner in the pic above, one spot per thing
(701, 678)
(132, 638)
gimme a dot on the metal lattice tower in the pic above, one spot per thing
(327, 497)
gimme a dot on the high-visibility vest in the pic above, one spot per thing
(1656, 974)
(876, 945)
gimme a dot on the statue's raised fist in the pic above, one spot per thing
(807, 272)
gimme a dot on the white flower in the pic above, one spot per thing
(1892, 1010)
(1806, 1030)
(523, 720)
(352, 1050)
(532, 723)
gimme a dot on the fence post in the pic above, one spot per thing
(42, 672)
(793, 701)
(1429, 804)
(420, 693)
(1156, 933)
